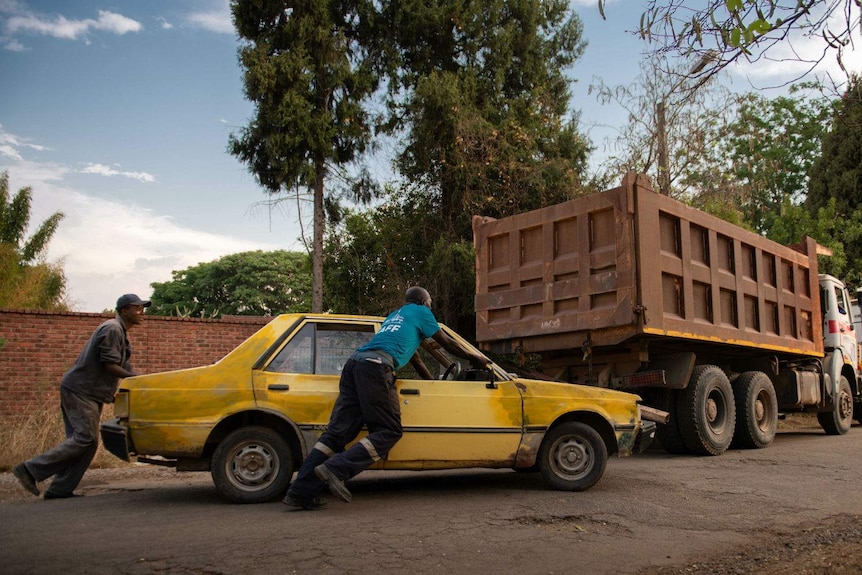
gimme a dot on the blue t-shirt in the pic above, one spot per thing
(402, 331)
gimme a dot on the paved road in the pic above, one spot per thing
(648, 511)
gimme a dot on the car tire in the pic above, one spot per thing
(252, 465)
(573, 457)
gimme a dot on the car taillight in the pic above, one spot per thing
(121, 404)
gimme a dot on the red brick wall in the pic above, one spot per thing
(37, 347)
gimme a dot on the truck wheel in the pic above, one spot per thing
(707, 413)
(839, 420)
(252, 465)
(756, 410)
(669, 434)
(573, 457)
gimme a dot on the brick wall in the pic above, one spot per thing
(37, 347)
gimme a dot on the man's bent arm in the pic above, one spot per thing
(453, 347)
(117, 370)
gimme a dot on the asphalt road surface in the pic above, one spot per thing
(653, 513)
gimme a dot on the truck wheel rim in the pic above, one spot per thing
(845, 406)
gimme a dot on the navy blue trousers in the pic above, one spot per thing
(366, 396)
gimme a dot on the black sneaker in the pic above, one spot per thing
(297, 504)
(52, 495)
(336, 486)
(22, 474)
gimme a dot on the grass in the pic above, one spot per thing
(23, 437)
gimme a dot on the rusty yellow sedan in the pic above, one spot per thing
(252, 417)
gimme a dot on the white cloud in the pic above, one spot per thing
(103, 170)
(217, 20)
(108, 247)
(61, 27)
(164, 23)
(14, 46)
(10, 145)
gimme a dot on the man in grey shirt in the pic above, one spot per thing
(84, 389)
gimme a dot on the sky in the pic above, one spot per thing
(118, 114)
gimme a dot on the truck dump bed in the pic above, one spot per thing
(630, 264)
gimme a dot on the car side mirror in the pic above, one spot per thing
(492, 384)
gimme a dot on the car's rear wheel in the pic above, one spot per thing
(573, 457)
(252, 465)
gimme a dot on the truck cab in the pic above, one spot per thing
(842, 334)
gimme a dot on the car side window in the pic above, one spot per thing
(335, 345)
(320, 348)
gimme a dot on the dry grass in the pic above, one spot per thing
(24, 437)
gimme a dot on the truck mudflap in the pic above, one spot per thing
(115, 438)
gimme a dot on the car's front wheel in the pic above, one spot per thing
(573, 457)
(252, 465)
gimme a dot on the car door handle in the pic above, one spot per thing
(278, 387)
(409, 392)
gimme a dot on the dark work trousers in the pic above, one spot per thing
(69, 460)
(366, 396)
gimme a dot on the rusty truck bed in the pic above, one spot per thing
(630, 264)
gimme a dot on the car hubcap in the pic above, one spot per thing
(573, 457)
(252, 465)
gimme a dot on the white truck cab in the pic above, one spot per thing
(842, 334)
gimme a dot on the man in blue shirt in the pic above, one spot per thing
(366, 396)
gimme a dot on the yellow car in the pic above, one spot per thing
(252, 417)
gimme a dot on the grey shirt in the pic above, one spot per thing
(88, 377)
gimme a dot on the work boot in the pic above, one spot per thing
(296, 504)
(336, 486)
(25, 478)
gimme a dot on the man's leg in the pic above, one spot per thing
(381, 413)
(71, 458)
(344, 424)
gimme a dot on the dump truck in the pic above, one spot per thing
(627, 289)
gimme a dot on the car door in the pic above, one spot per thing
(300, 378)
(455, 423)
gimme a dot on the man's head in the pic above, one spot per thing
(418, 295)
(131, 308)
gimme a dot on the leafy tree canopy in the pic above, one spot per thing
(26, 280)
(249, 283)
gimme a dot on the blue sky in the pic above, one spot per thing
(118, 114)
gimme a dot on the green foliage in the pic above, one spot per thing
(836, 176)
(250, 283)
(480, 92)
(373, 256)
(306, 71)
(15, 218)
(771, 146)
(837, 173)
(26, 280)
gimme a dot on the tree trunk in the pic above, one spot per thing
(317, 242)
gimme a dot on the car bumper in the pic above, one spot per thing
(645, 437)
(115, 438)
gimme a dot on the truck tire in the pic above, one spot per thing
(707, 412)
(668, 434)
(839, 420)
(573, 457)
(252, 465)
(756, 410)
